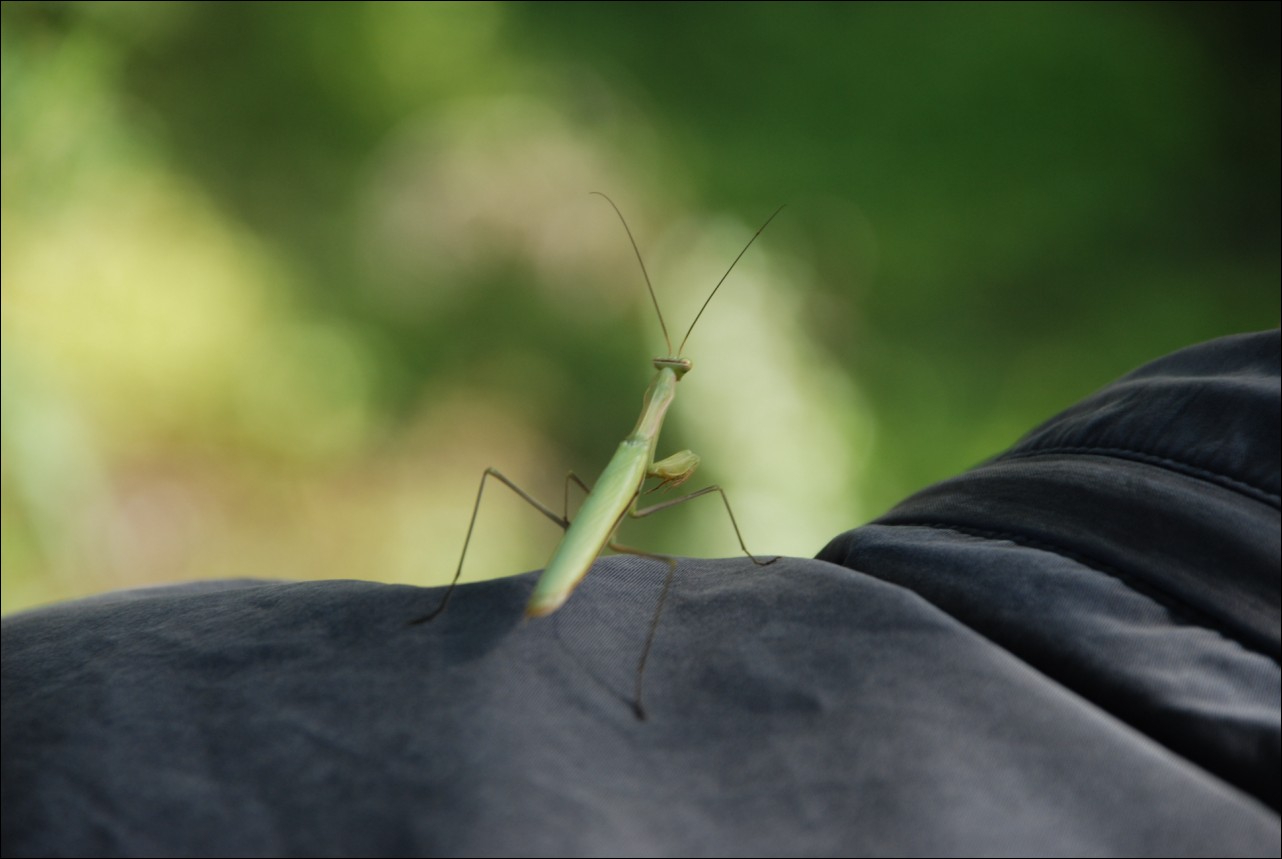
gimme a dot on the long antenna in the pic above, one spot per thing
(723, 280)
(644, 274)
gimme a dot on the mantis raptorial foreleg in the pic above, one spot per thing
(673, 470)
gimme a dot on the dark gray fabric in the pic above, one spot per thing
(1130, 549)
(1072, 649)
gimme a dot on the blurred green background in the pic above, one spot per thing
(280, 280)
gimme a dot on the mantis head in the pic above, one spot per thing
(680, 366)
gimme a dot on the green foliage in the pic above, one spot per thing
(279, 279)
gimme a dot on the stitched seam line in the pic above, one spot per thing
(1190, 614)
(1259, 493)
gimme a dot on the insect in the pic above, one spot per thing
(619, 487)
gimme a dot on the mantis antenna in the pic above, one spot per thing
(644, 273)
(706, 301)
(650, 287)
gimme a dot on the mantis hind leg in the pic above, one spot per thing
(637, 706)
(562, 520)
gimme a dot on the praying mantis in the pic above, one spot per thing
(619, 487)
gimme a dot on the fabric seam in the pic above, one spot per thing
(1182, 610)
(1243, 487)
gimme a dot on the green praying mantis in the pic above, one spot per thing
(619, 487)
